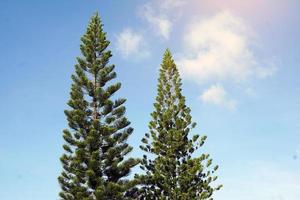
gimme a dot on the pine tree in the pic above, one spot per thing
(95, 162)
(173, 172)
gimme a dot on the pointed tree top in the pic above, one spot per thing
(96, 19)
(96, 15)
(168, 61)
(167, 54)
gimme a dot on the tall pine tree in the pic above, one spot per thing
(172, 172)
(95, 163)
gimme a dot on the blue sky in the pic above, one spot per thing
(239, 64)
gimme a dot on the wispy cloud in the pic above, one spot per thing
(216, 95)
(170, 4)
(161, 15)
(130, 43)
(161, 23)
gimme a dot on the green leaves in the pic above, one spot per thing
(95, 162)
(172, 171)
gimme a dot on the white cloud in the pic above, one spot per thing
(160, 23)
(170, 4)
(161, 14)
(219, 49)
(130, 43)
(216, 95)
(261, 181)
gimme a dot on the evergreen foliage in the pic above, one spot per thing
(95, 162)
(172, 172)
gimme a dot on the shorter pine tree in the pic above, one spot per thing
(171, 171)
